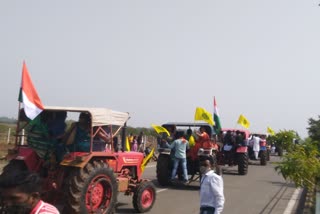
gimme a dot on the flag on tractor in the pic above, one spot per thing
(216, 116)
(146, 160)
(128, 146)
(160, 129)
(270, 131)
(28, 95)
(204, 115)
(243, 121)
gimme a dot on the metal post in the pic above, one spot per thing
(317, 202)
(22, 138)
(8, 138)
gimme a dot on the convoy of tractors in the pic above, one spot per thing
(87, 177)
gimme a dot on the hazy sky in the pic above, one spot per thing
(159, 60)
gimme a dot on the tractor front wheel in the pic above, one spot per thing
(92, 189)
(144, 197)
(163, 169)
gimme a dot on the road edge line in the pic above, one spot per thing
(161, 190)
(293, 200)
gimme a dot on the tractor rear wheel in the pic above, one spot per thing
(242, 163)
(144, 197)
(92, 189)
(268, 155)
(263, 158)
(163, 169)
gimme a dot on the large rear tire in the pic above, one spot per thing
(268, 154)
(144, 197)
(163, 169)
(242, 163)
(92, 189)
(263, 157)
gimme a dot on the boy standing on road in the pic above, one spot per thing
(180, 147)
(211, 189)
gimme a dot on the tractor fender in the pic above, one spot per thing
(242, 149)
(76, 159)
(27, 155)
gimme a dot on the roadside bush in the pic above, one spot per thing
(301, 165)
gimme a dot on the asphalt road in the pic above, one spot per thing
(261, 191)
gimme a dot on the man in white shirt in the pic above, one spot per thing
(256, 146)
(211, 189)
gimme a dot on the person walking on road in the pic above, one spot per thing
(211, 189)
(180, 146)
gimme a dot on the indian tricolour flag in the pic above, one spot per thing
(28, 95)
(216, 116)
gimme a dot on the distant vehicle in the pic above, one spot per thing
(165, 158)
(265, 149)
(234, 153)
(83, 181)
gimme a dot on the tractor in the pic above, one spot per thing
(195, 154)
(234, 153)
(265, 149)
(81, 180)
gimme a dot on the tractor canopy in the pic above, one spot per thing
(99, 116)
(183, 126)
(246, 132)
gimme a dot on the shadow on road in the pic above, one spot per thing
(230, 171)
(123, 210)
(179, 185)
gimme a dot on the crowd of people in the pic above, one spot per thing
(136, 142)
(48, 134)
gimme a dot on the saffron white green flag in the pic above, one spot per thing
(28, 95)
(216, 116)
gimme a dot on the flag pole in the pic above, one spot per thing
(18, 126)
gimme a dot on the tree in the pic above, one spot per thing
(314, 129)
(284, 139)
(301, 164)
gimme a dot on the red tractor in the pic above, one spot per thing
(197, 152)
(81, 180)
(235, 150)
(265, 149)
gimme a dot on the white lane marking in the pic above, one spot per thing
(149, 166)
(161, 190)
(293, 200)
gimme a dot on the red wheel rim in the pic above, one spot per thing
(147, 197)
(99, 193)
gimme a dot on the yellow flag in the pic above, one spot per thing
(160, 129)
(128, 144)
(243, 121)
(146, 160)
(202, 114)
(270, 131)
